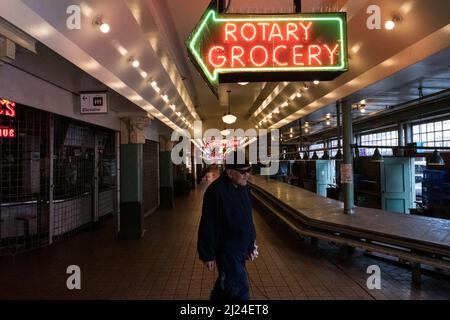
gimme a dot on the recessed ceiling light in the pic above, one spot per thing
(104, 27)
(243, 83)
(389, 25)
(135, 63)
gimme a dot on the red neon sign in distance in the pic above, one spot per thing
(271, 44)
(7, 132)
(7, 108)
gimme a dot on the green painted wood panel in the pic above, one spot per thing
(396, 184)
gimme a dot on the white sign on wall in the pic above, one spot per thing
(94, 102)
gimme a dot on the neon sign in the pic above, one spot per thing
(7, 132)
(8, 109)
(232, 48)
(222, 143)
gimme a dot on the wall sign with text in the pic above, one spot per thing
(94, 102)
(288, 47)
(7, 110)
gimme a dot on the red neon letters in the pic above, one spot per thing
(7, 133)
(7, 108)
(271, 44)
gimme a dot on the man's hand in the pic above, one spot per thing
(254, 254)
(210, 265)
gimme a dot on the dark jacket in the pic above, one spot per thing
(226, 226)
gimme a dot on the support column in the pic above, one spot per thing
(131, 224)
(401, 139)
(347, 171)
(338, 125)
(166, 174)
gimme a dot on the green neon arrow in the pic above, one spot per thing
(211, 21)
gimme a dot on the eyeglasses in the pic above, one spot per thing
(243, 171)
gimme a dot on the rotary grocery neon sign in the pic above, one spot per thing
(7, 109)
(232, 48)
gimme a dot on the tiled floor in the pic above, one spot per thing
(164, 265)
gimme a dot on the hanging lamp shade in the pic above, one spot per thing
(377, 157)
(315, 156)
(436, 159)
(325, 156)
(229, 118)
(305, 156)
(338, 155)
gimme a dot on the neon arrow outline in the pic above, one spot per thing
(213, 77)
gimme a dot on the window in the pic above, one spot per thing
(386, 138)
(432, 134)
(334, 144)
(314, 147)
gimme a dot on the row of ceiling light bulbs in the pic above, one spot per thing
(298, 95)
(105, 28)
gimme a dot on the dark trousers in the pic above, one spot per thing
(232, 283)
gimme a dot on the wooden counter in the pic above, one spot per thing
(425, 230)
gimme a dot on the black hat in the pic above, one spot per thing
(236, 160)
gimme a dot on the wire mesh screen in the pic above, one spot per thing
(151, 176)
(24, 181)
(73, 175)
(75, 171)
(107, 173)
(84, 177)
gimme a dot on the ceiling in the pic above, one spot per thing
(155, 31)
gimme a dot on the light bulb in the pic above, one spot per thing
(299, 95)
(104, 27)
(389, 25)
(316, 82)
(135, 63)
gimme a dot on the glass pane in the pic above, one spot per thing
(423, 137)
(416, 138)
(438, 126)
(416, 129)
(430, 137)
(438, 135)
(430, 127)
(423, 128)
(447, 135)
(446, 125)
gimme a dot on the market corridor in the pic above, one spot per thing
(164, 265)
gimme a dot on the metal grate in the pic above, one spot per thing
(75, 175)
(151, 176)
(82, 192)
(24, 181)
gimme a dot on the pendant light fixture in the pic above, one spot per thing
(338, 155)
(229, 118)
(377, 157)
(325, 156)
(436, 159)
